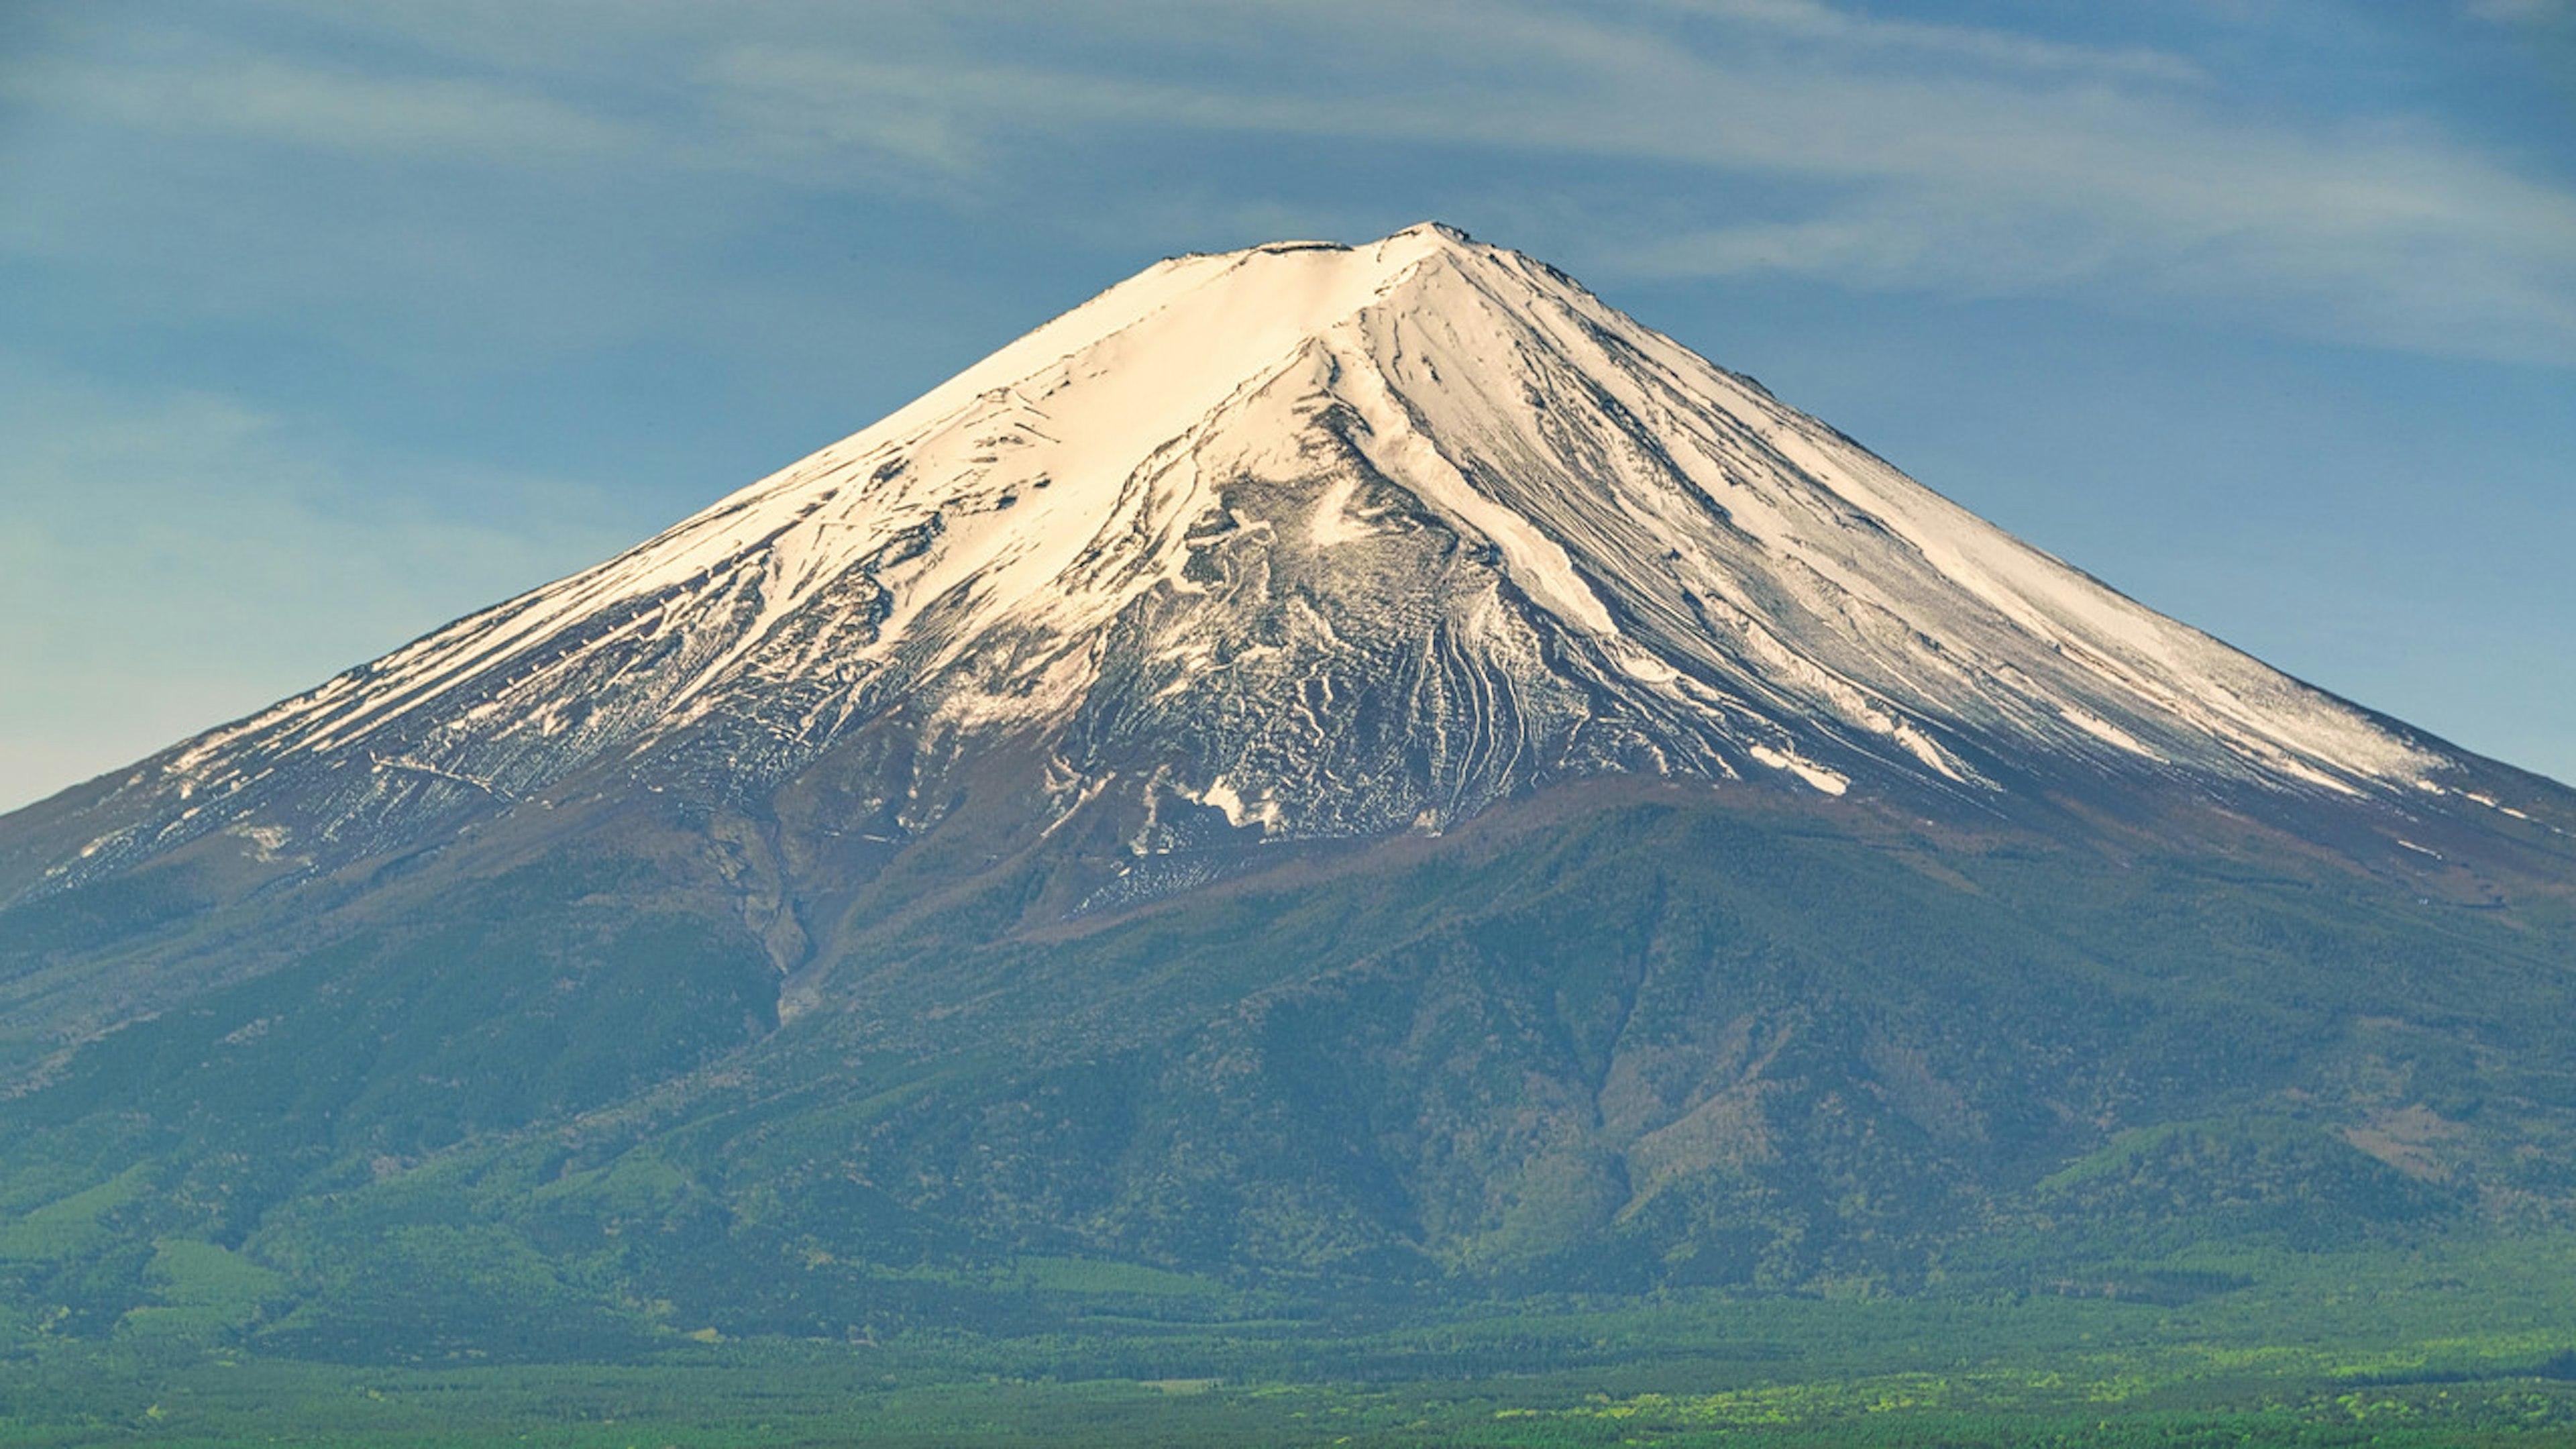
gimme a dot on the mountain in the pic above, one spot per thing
(1323, 764)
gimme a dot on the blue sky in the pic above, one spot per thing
(322, 323)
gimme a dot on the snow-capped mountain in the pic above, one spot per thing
(1311, 539)
(1052, 825)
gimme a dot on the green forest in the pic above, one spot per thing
(2452, 1342)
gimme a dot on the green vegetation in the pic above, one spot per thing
(2462, 1343)
(1643, 1123)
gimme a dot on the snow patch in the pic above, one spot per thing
(2102, 729)
(1832, 782)
(1222, 795)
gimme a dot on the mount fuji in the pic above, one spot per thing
(1322, 760)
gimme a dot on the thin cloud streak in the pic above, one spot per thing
(316, 108)
(1810, 20)
(2522, 12)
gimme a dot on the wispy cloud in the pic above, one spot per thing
(1990, 164)
(1793, 136)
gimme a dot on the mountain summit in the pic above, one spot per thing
(1331, 773)
(1303, 541)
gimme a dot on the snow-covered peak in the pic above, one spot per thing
(1323, 539)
